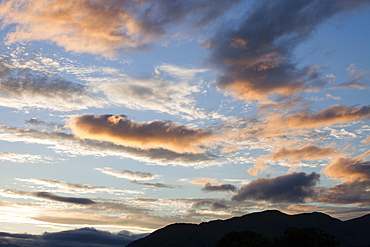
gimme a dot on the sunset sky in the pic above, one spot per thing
(132, 115)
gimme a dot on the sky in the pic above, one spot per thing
(132, 115)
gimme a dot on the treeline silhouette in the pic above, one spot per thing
(292, 237)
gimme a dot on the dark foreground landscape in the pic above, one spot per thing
(264, 226)
(270, 224)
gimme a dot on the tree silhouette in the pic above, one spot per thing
(243, 239)
(292, 237)
(305, 237)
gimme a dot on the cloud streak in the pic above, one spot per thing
(223, 188)
(158, 185)
(65, 187)
(127, 174)
(150, 135)
(74, 200)
(328, 116)
(47, 196)
(309, 152)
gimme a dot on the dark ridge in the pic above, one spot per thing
(270, 224)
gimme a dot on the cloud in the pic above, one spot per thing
(71, 238)
(158, 185)
(259, 166)
(47, 196)
(53, 197)
(103, 27)
(67, 144)
(24, 158)
(328, 116)
(82, 26)
(366, 140)
(356, 81)
(309, 152)
(37, 122)
(295, 187)
(75, 188)
(127, 174)
(168, 91)
(204, 181)
(223, 188)
(150, 135)
(348, 169)
(346, 193)
(25, 89)
(215, 205)
(256, 56)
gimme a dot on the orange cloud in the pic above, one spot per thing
(99, 27)
(328, 116)
(306, 153)
(211, 181)
(366, 140)
(348, 169)
(149, 135)
(259, 166)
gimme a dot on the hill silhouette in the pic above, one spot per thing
(270, 224)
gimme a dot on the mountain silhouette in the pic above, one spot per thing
(270, 224)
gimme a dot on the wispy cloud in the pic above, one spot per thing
(158, 185)
(26, 89)
(171, 90)
(25, 158)
(127, 174)
(66, 187)
(150, 135)
(328, 116)
(309, 152)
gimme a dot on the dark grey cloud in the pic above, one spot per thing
(295, 187)
(53, 197)
(72, 238)
(356, 192)
(159, 14)
(159, 185)
(223, 187)
(256, 56)
(215, 205)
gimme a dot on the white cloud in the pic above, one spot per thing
(24, 158)
(128, 174)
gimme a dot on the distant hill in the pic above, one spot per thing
(272, 223)
(72, 238)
